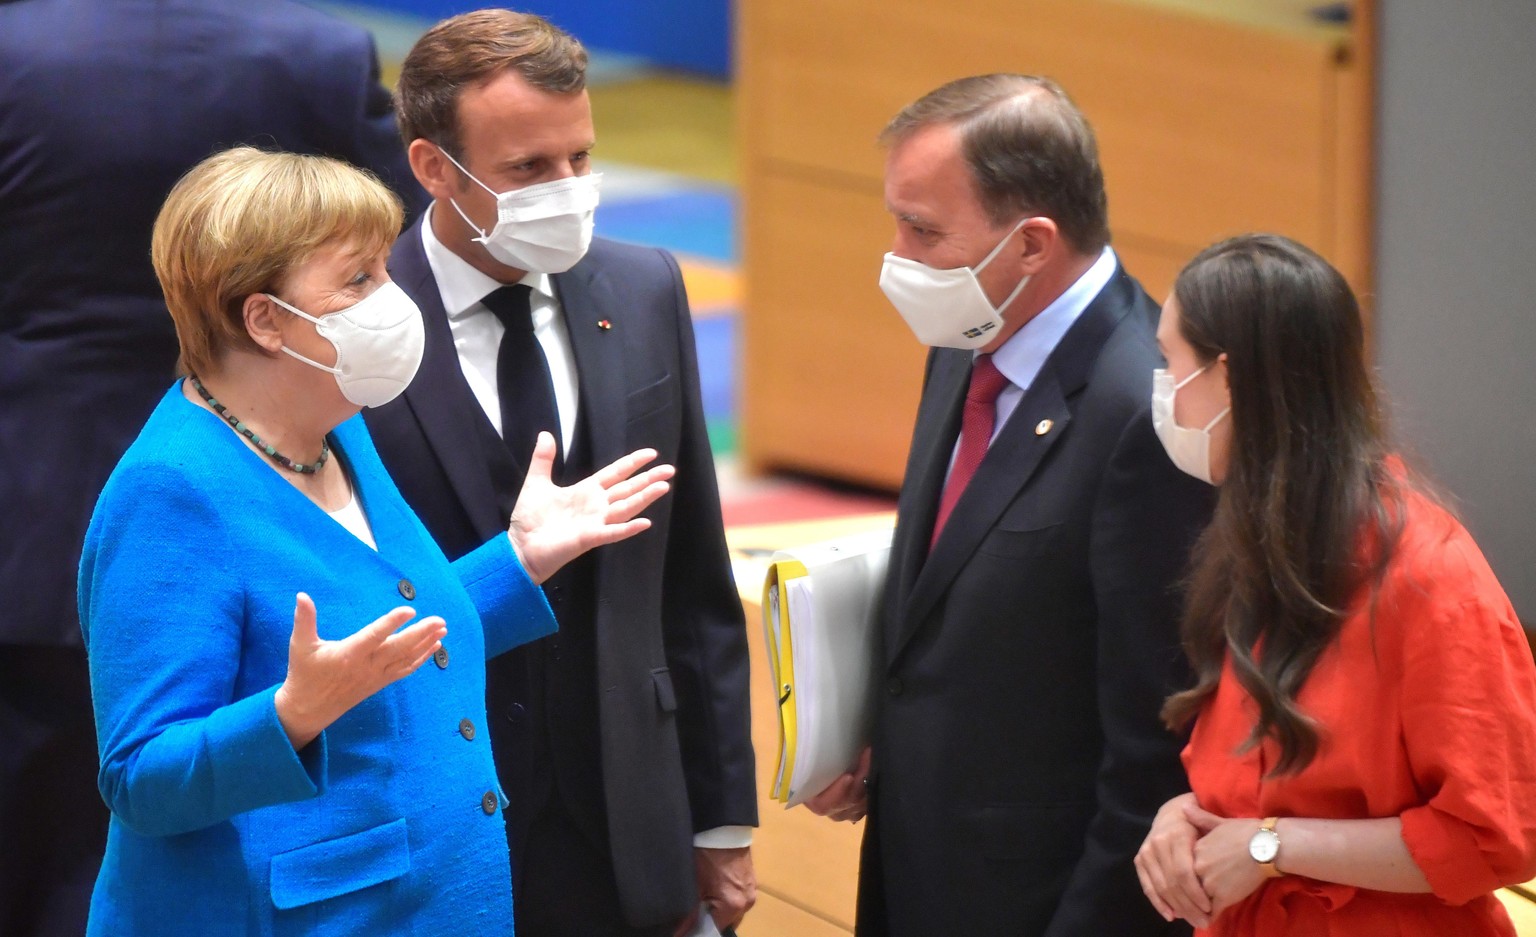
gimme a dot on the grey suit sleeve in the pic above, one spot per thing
(703, 625)
(1146, 516)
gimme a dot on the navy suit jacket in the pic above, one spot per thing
(103, 105)
(1018, 755)
(670, 644)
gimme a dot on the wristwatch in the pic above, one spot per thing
(1264, 847)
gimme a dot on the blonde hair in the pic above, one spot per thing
(238, 222)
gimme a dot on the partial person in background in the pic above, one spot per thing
(103, 105)
(624, 741)
(1029, 630)
(1364, 750)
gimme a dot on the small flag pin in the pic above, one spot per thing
(604, 324)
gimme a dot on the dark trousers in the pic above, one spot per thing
(565, 885)
(53, 824)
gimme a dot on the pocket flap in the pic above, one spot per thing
(650, 398)
(339, 866)
(666, 698)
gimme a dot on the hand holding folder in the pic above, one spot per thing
(819, 609)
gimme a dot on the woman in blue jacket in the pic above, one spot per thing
(278, 753)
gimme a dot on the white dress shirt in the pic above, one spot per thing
(477, 332)
(1023, 355)
(351, 517)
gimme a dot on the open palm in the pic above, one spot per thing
(552, 525)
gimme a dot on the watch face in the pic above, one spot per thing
(1264, 846)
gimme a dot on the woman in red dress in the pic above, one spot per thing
(1363, 758)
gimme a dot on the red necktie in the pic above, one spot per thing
(975, 434)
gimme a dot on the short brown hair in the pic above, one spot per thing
(472, 48)
(239, 221)
(1029, 149)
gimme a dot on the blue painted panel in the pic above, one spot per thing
(715, 338)
(691, 35)
(701, 223)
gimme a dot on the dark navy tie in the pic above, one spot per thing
(522, 376)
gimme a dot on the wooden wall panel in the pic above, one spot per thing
(833, 375)
(1214, 117)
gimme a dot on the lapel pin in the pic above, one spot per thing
(604, 324)
(1043, 427)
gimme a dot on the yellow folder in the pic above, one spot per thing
(820, 604)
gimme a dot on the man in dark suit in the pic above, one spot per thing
(103, 105)
(1030, 617)
(624, 740)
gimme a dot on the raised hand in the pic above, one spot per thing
(552, 525)
(327, 678)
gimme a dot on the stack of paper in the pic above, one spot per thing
(819, 608)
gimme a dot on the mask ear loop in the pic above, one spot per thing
(485, 233)
(1023, 281)
(293, 354)
(999, 248)
(1194, 374)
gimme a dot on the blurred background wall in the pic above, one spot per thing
(1395, 137)
(1455, 246)
(692, 35)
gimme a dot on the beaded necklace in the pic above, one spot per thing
(242, 429)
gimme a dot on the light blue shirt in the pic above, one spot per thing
(1024, 354)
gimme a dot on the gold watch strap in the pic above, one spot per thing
(1271, 869)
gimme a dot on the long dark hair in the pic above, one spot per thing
(1309, 510)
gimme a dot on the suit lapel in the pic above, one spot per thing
(933, 442)
(440, 399)
(585, 301)
(1012, 460)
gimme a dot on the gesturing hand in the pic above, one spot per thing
(327, 678)
(1165, 864)
(552, 525)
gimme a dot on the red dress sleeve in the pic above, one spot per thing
(1469, 716)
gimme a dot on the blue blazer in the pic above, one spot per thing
(388, 823)
(103, 105)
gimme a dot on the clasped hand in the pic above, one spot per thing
(552, 525)
(1194, 864)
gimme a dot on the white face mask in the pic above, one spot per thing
(378, 344)
(1189, 449)
(543, 228)
(946, 308)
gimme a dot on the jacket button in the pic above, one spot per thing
(488, 803)
(516, 713)
(894, 686)
(440, 658)
(467, 729)
(407, 590)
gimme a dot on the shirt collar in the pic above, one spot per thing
(1023, 355)
(461, 285)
